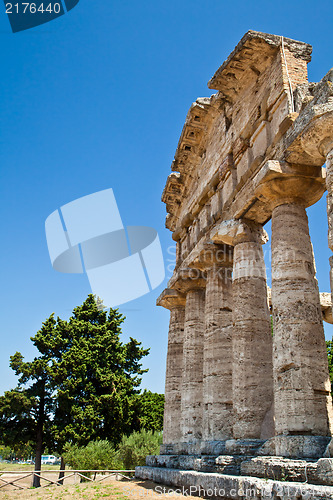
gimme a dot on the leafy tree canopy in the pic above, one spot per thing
(83, 386)
(150, 411)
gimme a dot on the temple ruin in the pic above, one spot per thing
(238, 397)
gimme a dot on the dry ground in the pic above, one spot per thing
(109, 489)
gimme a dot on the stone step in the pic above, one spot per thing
(247, 447)
(314, 472)
(276, 468)
(210, 485)
(203, 463)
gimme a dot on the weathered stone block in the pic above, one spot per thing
(232, 487)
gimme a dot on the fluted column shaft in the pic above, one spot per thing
(302, 387)
(252, 373)
(217, 360)
(175, 302)
(191, 402)
(252, 343)
(329, 186)
(173, 379)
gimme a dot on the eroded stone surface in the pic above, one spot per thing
(192, 396)
(309, 471)
(319, 472)
(325, 304)
(218, 356)
(302, 385)
(252, 338)
(175, 302)
(233, 487)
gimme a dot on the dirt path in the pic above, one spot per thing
(108, 489)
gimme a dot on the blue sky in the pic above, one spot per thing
(97, 99)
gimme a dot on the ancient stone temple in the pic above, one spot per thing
(238, 397)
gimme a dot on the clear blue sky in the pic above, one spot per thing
(97, 99)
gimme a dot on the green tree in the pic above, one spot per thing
(23, 451)
(25, 410)
(150, 411)
(6, 452)
(99, 376)
(82, 387)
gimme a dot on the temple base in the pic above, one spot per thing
(232, 487)
(301, 446)
(246, 468)
(298, 447)
(228, 447)
(312, 471)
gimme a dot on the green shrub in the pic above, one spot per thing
(133, 449)
(99, 455)
(96, 455)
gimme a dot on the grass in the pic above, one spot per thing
(71, 492)
(25, 467)
(79, 491)
(74, 490)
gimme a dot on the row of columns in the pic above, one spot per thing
(199, 394)
(227, 376)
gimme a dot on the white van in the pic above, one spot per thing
(49, 460)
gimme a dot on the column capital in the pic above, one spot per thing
(212, 255)
(292, 190)
(170, 299)
(281, 183)
(232, 232)
(188, 279)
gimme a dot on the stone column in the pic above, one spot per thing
(329, 187)
(216, 262)
(175, 302)
(191, 399)
(303, 407)
(217, 367)
(252, 337)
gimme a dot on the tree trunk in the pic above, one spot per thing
(62, 471)
(39, 438)
(38, 459)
